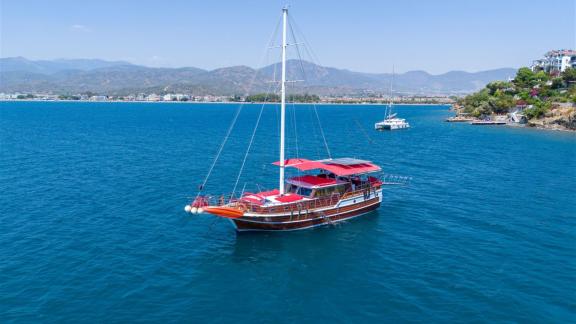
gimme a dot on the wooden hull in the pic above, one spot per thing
(305, 219)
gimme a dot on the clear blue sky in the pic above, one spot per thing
(362, 35)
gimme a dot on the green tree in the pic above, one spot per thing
(482, 109)
(473, 102)
(569, 76)
(525, 78)
(495, 86)
(502, 104)
(263, 97)
(542, 76)
(539, 109)
(557, 83)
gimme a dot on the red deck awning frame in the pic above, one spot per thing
(333, 166)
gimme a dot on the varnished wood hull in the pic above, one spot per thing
(306, 219)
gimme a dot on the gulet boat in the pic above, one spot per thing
(326, 191)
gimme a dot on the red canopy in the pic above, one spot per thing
(340, 167)
(290, 197)
(313, 181)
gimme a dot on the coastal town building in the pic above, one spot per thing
(375, 99)
(169, 97)
(98, 98)
(154, 97)
(555, 61)
(182, 97)
(175, 97)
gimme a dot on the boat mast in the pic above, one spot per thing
(389, 110)
(283, 99)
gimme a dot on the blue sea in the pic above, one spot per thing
(92, 227)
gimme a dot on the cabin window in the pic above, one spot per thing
(340, 189)
(323, 192)
(304, 191)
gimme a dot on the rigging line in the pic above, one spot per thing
(251, 84)
(315, 133)
(296, 135)
(294, 123)
(322, 132)
(276, 107)
(363, 131)
(308, 48)
(250, 144)
(292, 23)
(220, 148)
(295, 129)
(297, 49)
(391, 100)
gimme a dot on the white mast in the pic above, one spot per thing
(283, 98)
(389, 109)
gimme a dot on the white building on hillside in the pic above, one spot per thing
(182, 97)
(556, 61)
(169, 97)
(154, 97)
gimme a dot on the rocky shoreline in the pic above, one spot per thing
(560, 117)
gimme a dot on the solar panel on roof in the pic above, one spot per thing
(346, 161)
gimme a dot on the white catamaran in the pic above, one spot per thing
(391, 122)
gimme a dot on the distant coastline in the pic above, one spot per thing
(230, 102)
(76, 76)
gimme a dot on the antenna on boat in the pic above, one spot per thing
(283, 98)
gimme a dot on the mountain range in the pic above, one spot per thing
(73, 76)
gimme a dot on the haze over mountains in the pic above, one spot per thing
(73, 76)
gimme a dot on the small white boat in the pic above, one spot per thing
(391, 122)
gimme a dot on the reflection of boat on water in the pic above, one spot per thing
(326, 191)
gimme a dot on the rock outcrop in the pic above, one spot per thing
(561, 116)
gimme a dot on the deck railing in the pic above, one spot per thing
(364, 190)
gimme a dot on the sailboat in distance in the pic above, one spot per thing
(326, 191)
(391, 122)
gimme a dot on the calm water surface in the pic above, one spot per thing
(92, 227)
